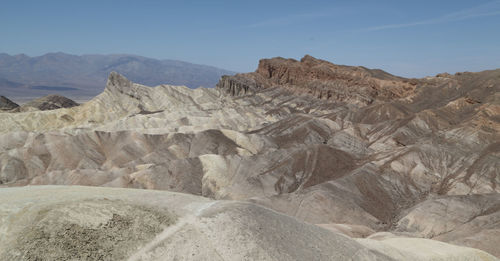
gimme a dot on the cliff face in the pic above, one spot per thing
(237, 85)
(323, 80)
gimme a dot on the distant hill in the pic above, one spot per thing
(83, 76)
(6, 104)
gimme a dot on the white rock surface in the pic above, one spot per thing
(181, 227)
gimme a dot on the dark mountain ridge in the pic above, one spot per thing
(82, 76)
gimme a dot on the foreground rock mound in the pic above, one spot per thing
(368, 161)
(86, 223)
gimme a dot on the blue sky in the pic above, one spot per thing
(407, 38)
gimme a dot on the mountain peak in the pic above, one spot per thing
(309, 59)
(117, 81)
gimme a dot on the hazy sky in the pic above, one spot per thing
(407, 38)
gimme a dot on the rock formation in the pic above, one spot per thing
(49, 102)
(355, 151)
(6, 104)
(323, 80)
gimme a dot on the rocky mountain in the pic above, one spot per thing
(79, 77)
(325, 80)
(299, 160)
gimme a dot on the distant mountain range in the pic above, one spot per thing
(85, 76)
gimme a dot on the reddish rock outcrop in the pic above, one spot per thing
(321, 79)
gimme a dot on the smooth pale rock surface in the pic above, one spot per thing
(464, 220)
(354, 231)
(90, 223)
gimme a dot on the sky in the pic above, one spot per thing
(406, 38)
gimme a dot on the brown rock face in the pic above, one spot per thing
(237, 85)
(324, 80)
